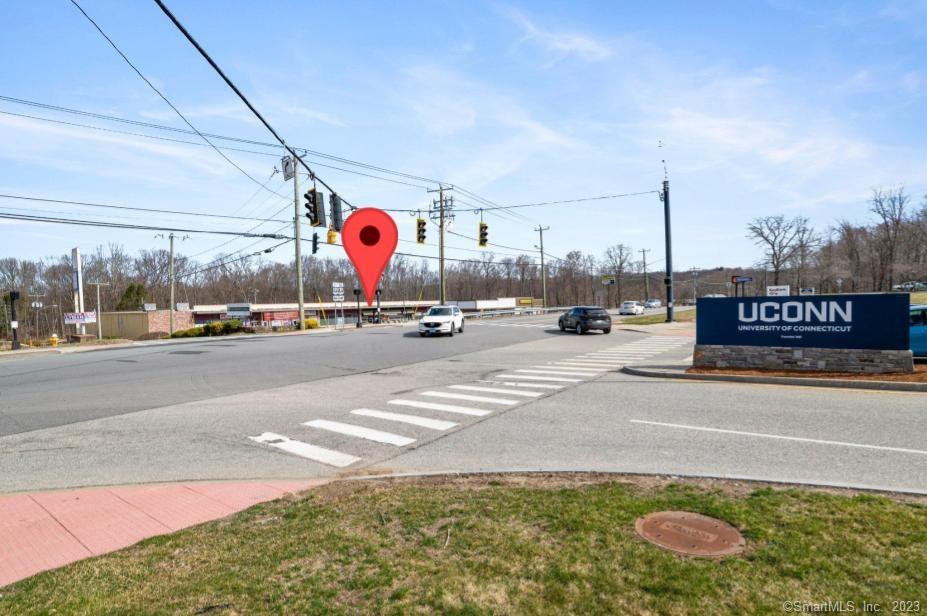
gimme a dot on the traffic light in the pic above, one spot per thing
(420, 230)
(315, 243)
(310, 197)
(320, 220)
(315, 207)
(337, 218)
(332, 236)
(484, 234)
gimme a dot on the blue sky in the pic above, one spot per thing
(799, 108)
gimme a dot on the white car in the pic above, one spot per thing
(653, 303)
(441, 320)
(631, 307)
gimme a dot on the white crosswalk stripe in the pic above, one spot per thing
(561, 366)
(552, 372)
(415, 420)
(532, 385)
(360, 432)
(468, 397)
(434, 406)
(305, 450)
(496, 390)
(539, 378)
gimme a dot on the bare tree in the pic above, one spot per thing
(889, 205)
(618, 258)
(778, 237)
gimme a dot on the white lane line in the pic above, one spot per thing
(496, 390)
(538, 378)
(534, 385)
(553, 372)
(468, 397)
(305, 450)
(370, 434)
(577, 365)
(415, 420)
(781, 437)
(434, 406)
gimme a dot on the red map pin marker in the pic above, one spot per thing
(369, 237)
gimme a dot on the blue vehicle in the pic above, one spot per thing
(918, 321)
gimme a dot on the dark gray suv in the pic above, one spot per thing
(584, 318)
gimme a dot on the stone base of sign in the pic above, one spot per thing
(862, 361)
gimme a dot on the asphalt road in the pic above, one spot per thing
(43, 391)
(510, 393)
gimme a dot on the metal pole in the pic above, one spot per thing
(299, 254)
(378, 306)
(171, 326)
(357, 297)
(669, 252)
(541, 231)
(14, 295)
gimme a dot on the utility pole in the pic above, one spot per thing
(669, 252)
(644, 252)
(170, 237)
(443, 217)
(541, 231)
(299, 252)
(99, 314)
(171, 327)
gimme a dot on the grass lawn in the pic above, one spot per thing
(651, 319)
(522, 544)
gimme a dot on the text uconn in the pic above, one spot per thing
(796, 316)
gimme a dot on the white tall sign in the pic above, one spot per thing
(77, 280)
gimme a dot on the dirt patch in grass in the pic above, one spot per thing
(918, 376)
(510, 544)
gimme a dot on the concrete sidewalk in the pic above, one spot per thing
(45, 530)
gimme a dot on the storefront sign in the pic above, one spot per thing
(79, 318)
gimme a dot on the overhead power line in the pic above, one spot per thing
(135, 227)
(133, 209)
(160, 94)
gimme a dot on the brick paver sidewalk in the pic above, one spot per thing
(44, 530)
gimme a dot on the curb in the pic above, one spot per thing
(778, 380)
(572, 471)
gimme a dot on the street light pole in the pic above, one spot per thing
(669, 252)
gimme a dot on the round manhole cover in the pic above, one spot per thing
(690, 533)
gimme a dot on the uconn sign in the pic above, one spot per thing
(864, 321)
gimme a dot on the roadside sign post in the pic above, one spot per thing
(357, 297)
(740, 281)
(338, 298)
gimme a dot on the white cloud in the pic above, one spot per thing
(584, 46)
